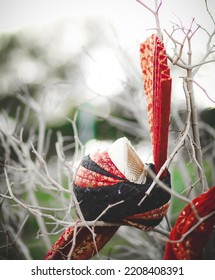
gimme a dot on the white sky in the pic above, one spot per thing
(16, 14)
(129, 17)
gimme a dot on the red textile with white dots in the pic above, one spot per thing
(189, 234)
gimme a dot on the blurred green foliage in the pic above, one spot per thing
(22, 48)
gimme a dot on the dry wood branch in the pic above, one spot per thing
(38, 169)
(208, 10)
(191, 71)
(200, 221)
(175, 151)
(37, 211)
(155, 14)
(195, 130)
(203, 89)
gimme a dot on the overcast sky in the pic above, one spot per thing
(19, 13)
(129, 17)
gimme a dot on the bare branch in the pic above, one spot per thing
(196, 137)
(156, 15)
(204, 90)
(208, 10)
(175, 151)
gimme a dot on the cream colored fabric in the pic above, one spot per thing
(126, 159)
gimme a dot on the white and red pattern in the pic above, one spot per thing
(102, 158)
(89, 179)
(157, 87)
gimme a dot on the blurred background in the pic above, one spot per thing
(62, 58)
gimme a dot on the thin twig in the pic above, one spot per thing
(156, 15)
(200, 221)
(204, 90)
(175, 151)
(195, 130)
(207, 8)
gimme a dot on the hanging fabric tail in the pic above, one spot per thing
(189, 235)
(157, 87)
(81, 244)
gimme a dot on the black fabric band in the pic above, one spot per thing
(89, 164)
(93, 201)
